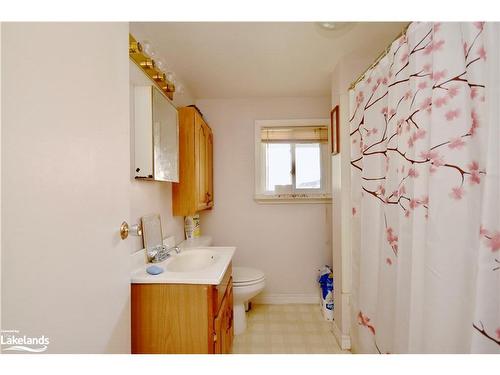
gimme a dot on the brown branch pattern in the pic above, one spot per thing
(483, 332)
(399, 138)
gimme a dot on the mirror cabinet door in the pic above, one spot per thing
(165, 139)
(156, 136)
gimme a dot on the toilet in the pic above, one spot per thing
(247, 283)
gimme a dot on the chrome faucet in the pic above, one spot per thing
(160, 253)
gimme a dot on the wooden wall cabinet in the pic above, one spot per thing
(183, 318)
(194, 192)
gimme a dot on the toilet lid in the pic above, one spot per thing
(246, 274)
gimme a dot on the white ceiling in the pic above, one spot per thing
(258, 59)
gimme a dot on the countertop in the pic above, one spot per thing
(211, 275)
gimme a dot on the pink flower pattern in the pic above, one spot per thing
(482, 53)
(433, 47)
(452, 114)
(475, 177)
(417, 125)
(492, 239)
(392, 239)
(426, 103)
(479, 25)
(457, 193)
(412, 172)
(440, 102)
(475, 123)
(494, 242)
(453, 91)
(456, 143)
(439, 75)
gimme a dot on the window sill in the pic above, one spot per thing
(292, 198)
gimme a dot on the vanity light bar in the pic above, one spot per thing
(160, 77)
(148, 66)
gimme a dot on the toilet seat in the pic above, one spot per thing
(248, 283)
(246, 276)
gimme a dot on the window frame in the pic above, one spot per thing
(262, 195)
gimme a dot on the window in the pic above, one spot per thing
(292, 160)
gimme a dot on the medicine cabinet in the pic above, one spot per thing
(156, 136)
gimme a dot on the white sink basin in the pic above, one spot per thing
(192, 261)
(200, 265)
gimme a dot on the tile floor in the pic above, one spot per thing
(286, 329)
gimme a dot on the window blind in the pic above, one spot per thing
(297, 134)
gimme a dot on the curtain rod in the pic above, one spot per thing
(380, 57)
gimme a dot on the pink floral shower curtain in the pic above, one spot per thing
(425, 164)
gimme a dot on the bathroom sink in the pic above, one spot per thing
(196, 265)
(193, 260)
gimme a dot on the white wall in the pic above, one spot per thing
(289, 242)
(148, 197)
(344, 73)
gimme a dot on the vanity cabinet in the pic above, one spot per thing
(194, 192)
(183, 318)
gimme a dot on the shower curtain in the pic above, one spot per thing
(425, 179)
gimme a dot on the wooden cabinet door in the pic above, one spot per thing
(218, 340)
(210, 169)
(228, 323)
(195, 190)
(201, 142)
(223, 325)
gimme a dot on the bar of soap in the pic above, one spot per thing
(154, 270)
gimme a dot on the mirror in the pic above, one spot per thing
(165, 139)
(151, 231)
(156, 125)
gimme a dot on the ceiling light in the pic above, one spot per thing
(333, 25)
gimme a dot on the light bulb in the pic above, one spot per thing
(329, 25)
(335, 26)
(170, 77)
(160, 64)
(148, 49)
(179, 89)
